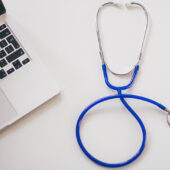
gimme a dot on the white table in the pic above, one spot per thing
(63, 34)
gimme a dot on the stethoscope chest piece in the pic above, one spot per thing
(168, 118)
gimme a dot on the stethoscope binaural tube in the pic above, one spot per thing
(121, 87)
(102, 56)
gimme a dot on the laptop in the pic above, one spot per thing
(25, 82)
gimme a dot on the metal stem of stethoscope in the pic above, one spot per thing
(99, 37)
(168, 116)
(120, 96)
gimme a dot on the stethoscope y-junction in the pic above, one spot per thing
(120, 95)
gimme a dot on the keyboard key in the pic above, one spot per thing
(2, 27)
(15, 55)
(4, 33)
(2, 54)
(26, 61)
(3, 63)
(3, 44)
(9, 49)
(2, 8)
(2, 74)
(17, 64)
(12, 40)
(11, 70)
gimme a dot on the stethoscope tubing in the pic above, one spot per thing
(122, 98)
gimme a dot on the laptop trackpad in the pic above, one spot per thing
(29, 87)
(7, 112)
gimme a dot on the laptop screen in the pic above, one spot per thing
(2, 8)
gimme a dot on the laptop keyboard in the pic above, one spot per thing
(12, 54)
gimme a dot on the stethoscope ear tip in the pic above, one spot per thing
(168, 116)
(128, 5)
(118, 4)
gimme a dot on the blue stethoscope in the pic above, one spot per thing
(121, 96)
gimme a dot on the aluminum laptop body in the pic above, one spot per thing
(25, 82)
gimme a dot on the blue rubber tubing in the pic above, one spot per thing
(122, 98)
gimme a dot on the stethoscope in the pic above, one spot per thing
(121, 96)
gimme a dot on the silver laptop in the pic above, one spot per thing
(25, 82)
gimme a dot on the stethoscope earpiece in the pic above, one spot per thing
(128, 5)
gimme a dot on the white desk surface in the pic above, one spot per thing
(63, 34)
